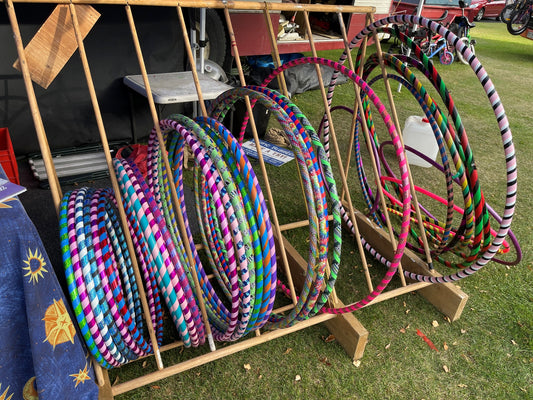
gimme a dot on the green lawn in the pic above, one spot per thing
(486, 354)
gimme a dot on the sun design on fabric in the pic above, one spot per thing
(57, 324)
(5, 395)
(35, 266)
(81, 376)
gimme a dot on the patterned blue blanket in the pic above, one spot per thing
(41, 355)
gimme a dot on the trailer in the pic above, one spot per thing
(434, 9)
(251, 30)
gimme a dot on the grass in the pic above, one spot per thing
(486, 354)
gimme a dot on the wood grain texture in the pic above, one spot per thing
(55, 42)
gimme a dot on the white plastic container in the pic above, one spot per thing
(417, 133)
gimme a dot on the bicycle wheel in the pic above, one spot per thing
(470, 45)
(519, 20)
(425, 46)
(506, 13)
(446, 57)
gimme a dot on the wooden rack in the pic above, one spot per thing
(348, 331)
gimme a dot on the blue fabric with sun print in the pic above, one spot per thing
(41, 356)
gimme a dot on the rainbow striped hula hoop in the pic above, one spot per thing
(169, 273)
(314, 193)
(487, 245)
(400, 154)
(99, 277)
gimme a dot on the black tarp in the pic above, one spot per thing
(65, 106)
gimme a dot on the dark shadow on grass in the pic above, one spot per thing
(506, 49)
(499, 48)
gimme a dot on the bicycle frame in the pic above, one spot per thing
(435, 48)
(440, 47)
(461, 27)
(520, 17)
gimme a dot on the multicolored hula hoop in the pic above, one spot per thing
(234, 222)
(489, 248)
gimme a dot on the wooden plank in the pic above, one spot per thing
(35, 112)
(105, 392)
(55, 42)
(231, 5)
(217, 354)
(446, 297)
(349, 333)
(347, 329)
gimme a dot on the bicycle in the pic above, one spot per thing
(417, 34)
(439, 46)
(461, 27)
(508, 10)
(520, 17)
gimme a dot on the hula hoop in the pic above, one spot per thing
(104, 218)
(484, 227)
(210, 296)
(453, 144)
(433, 117)
(172, 295)
(492, 248)
(402, 238)
(99, 329)
(148, 269)
(313, 192)
(177, 270)
(71, 283)
(158, 181)
(256, 211)
(106, 320)
(232, 215)
(236, 237)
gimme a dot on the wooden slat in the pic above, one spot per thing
(231, 5)
(218, 354)
(446, 297)
(53, 180)
(347, 329)
(55, 42)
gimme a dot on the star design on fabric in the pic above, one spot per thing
(3, 205)
(81, 376)
(57, 324)
(4, 396)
